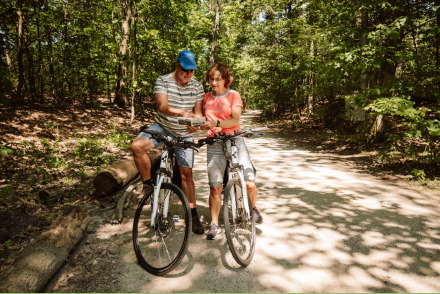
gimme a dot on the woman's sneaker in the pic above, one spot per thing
(257, 216)
(213, 232)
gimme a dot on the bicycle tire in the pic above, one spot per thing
(160, 249)
(241, 233)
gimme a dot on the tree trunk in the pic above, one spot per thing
(216, 30)
(66, 56)
(363, 81)
(37, 264)
(310, 97)
(31, 74)
(437, 46)
(40, 56)
(51, 64)
(18, 94)
(121, 96)
(353, 111)
(133, 94)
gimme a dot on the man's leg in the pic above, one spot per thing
(188, 188)
(140, 147)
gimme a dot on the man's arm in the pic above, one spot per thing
(198, 109)
(164, 108)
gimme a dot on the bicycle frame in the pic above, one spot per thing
(236, 169)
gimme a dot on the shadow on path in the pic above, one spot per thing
(327, 228)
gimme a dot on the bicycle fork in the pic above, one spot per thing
(163, 176)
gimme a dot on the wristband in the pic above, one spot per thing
(218, 123)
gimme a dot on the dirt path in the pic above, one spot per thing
(327, 228)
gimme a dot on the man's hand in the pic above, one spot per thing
(188, 114)
(192, 129)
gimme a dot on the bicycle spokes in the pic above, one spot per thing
(161, 247)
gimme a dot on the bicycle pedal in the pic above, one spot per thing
(175, 218)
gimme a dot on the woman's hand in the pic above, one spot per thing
(210, 124)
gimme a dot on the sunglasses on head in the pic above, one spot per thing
(186, 70)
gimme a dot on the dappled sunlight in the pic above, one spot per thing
(326, 223)
(327, 228)
(109, 230)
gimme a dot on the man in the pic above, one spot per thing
(177, 94)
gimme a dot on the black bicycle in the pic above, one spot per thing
(162, 222)
(237, 208)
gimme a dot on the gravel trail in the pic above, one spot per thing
(328, 227)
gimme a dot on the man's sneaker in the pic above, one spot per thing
(197, 227)
(213, 232)
(257, 216)
(146, 188)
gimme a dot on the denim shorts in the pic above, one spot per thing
(185, 157)
(216, 162)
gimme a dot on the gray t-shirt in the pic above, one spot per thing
(183, 97)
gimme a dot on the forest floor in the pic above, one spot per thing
(65, 147)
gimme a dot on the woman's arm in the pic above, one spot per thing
(227, 123)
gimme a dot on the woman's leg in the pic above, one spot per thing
(215, 203)
(252, 192)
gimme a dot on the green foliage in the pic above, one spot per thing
(419, 174)
(93, 151)
(5, 192)
(415, 119)
(7, 244)
(120, 138)
(5, 148)
(286, 56)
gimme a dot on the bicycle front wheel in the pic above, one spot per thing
(240, 232)
(160, 248)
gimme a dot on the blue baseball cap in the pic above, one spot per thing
(187, 60)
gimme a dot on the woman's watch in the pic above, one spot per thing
(218, 123)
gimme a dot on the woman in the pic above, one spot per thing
(222, 107)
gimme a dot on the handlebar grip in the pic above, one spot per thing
(204, 141)
(259, 129)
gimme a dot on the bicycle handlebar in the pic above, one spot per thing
(176, 142)
(222, 136)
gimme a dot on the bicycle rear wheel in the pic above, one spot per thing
(240, 232)
(161, 248)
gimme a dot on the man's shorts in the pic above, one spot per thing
(217, 162)
(185, 157)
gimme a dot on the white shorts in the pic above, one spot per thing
(217, 162)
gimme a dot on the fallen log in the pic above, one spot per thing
(115, 177)
(37, 264)
(118, 175)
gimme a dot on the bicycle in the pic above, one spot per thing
(237, 208)
(162, 222)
